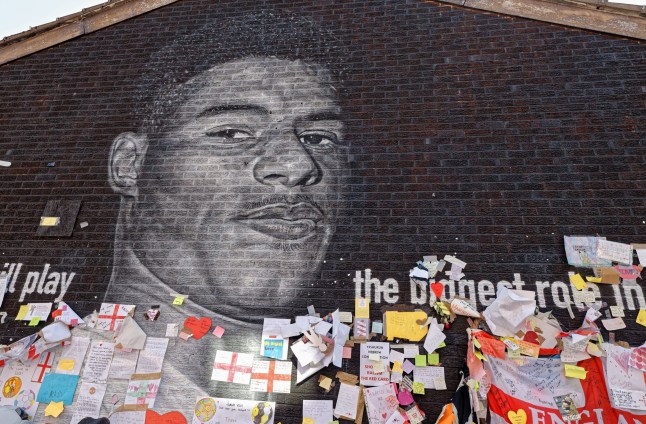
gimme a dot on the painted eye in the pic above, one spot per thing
(229, 134)
(318, 138)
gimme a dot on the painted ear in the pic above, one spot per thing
(126, 158)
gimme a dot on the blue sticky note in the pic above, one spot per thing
(58, 388)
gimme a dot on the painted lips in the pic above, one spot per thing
(283, 221)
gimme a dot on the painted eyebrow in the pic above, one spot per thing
(218, 110)
(322, 116)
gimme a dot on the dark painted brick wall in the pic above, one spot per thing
(484, 136)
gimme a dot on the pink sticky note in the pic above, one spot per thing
(347, 352)
(405, 397)
(218, 332)
(184, 336)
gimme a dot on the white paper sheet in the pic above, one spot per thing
(434, 338)
(318, 410)
(273, 344)
(88, 402)
(368, 374)
(347, 401)
(98, 362)
(427, 375)
(124, 364)
(151, 357)
(38, 310)
(617, 252)
(142, 389)
(74, 351)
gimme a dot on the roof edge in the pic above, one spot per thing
(593, 15)
(74, 25)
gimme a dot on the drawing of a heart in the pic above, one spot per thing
(198, 327)
(531, 337)
(173, 417)
(438, 289)
(518, 417)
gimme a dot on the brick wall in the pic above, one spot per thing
(483, 136)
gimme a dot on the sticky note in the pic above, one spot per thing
(347, 352)
(308, 420)
(361, 307)
(378, 367)
(397, 367)
(641, 317)
(433, 358)
(54, 409)
(575, 372)
(179, 300)
(420, 360)
(34, 321)
(325, 382)
(218, 332)
(617, 312)
(373, 356)
(593, 279)
(418, 388)
(345, 317)
(377, 327)
(49, 221)
(439, 383)
(66, 364)
(22, 313)
(441, 345)
(578, 281)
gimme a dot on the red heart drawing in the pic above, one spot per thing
(531, 337)
(173, 417)
(438, 289)
(198, 327)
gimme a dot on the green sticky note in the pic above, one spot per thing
(441, 345)
(418, 388)
(420, 360)
(179, 300)
(433, 358)
(34, 321)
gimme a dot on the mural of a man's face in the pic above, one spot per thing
(241, 184)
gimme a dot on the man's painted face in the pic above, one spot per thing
(243, 185)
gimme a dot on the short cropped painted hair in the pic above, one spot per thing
(163, 87)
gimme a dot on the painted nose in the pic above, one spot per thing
(286, 162)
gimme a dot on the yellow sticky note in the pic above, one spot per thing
(54, 409)
(397, 367)
(575, 372)
(593, 279)
(34, 321)
(179, 300)
(361, 307)
(433, 358)
(578, 282)
(476, 343)
(418, 388)
(641, 317)
(308, 420)
(404, 325)
(66, 364)
(22, 313)
(479, 355)
(441, 345)
(49, 221)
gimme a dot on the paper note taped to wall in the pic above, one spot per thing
(404, 325)
(49, 221)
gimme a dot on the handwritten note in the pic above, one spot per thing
(613, 251)
(124, 364)
(88, 402)
(58, 388)
(151, 357)
(319, 411)
(142, 389)
(73, 353)
(98, 362)
(347, 401)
